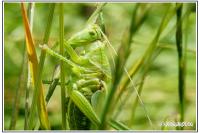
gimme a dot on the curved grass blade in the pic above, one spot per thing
(31, 9)
(36, 69)
(33, 62)
(148, 53)
(95, 14)
(121, 59)
(118, 125)
(139, 15)
(147, 56)
(167, 17)
(22, 78)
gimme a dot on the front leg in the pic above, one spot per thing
(69, 62)
(74, 56)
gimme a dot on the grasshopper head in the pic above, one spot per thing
(88, 35)
(97, 30)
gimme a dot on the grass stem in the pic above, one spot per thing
(38, 96)
(18, 93)
(31, 8)
(62, 69)
(181, 73)
(121, 58)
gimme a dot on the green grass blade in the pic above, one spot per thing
(62, 69)
(95, 14)
(145, 69)
(183, 18)
(102, 22)
(173, 47)
(43, 53)
(18, 92)
(139, 15)
(135, 104)
(118, 125)
(50, 82)
(147, 55)
(121, 58)
(181, 73)
(33, 64)
(38, 96)
(52, 88)
(126, 97)
(22, 77)
(53, 84)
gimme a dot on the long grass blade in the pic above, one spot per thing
(102, 22)
(168, 15)
(31, 8)
(138, 17)
(118, 125)
(147, 55)
(95, 14)
(53, 83)
(62, 69)
(18, 92)
(22, 81)
(121, 58)
(45, 41)
(38, 96)
(181, 73)
(145, 69)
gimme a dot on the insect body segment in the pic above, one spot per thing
(88, 73)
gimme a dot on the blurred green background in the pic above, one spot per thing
(160, 92)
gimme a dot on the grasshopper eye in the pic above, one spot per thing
(92, 33)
